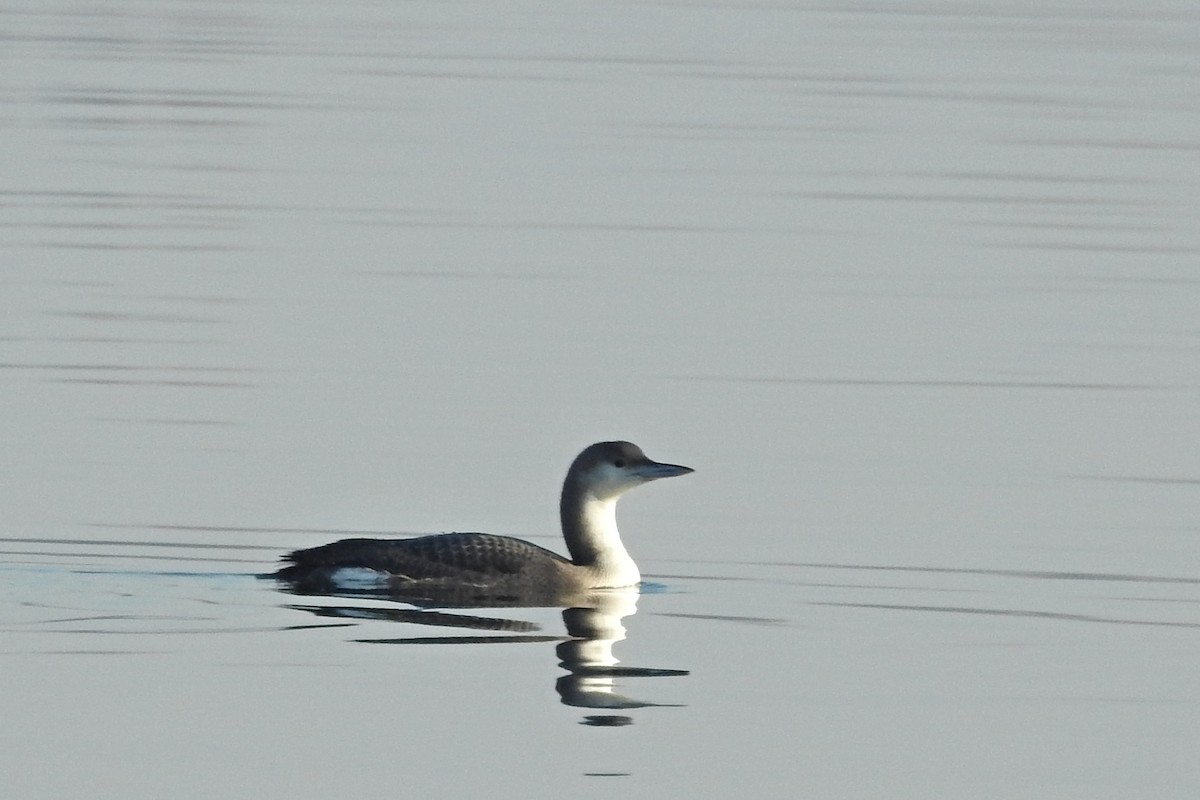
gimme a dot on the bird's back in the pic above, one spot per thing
(479, 560)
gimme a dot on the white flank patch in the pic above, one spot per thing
(358, 579)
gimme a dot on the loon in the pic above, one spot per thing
(490, 565)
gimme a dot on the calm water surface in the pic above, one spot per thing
(913, 288)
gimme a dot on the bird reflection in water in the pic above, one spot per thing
(594, 623)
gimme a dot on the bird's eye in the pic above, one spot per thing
(619, 463)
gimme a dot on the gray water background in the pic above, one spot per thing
(911, 285)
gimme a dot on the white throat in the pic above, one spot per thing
(599, 538)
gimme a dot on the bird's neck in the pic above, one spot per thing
(589, 526)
